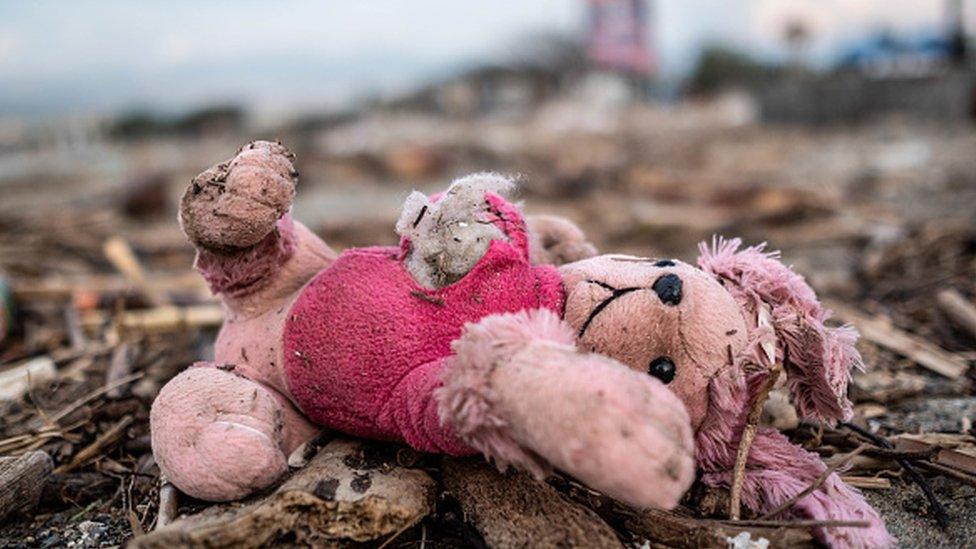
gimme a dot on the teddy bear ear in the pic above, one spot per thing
(816, 358)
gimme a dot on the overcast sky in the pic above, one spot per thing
(102, 55)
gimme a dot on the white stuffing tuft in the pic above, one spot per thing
(449, 236)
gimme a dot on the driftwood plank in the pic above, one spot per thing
(959, 310)
(880, 331)
(347, 492)
(516, 511)
(22, 480)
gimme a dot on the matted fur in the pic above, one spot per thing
(244, 272)
(467, 398)
(451, 231)
(817, 359)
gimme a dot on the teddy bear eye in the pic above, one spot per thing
(662, 368)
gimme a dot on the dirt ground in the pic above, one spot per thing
(879, 218)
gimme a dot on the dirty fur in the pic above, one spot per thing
(450, 233)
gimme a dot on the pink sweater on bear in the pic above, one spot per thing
(364, 344)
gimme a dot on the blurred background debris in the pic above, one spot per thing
(842, 134)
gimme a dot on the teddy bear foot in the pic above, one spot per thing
(218, 436)
(555, 240)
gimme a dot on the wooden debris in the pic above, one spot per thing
(813, 486)
(22, 480)
(745, 443)
(867, 483)
(880, 331)
(169, 504)
(104, 441)
(120, 254)
(119, 367)
(677, 529)
(164, 319)
(514, 510)
(958, 309)
(950, 450)
(16, 381)
(890, 386)
(937, 509)
(346, 492)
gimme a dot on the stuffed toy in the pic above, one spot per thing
(631, 374)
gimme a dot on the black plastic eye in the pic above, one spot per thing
(668, 289)
(662, 368)
(664, 263)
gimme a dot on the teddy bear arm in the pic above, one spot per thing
(219, 436)
(237, 215)
(519, 391)
(412, 413)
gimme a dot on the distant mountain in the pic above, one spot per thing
(264, 82)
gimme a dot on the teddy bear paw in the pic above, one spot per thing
(236, 203)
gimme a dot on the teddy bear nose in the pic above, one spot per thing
(668, 289)
(664, 263)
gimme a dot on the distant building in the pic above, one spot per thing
(616, 37)
(886, 56)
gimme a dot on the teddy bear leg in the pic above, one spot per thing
(249, 249)
(520, 392)
(218, 436)
(556, 240)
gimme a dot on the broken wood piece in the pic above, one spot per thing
(867, 483)
(674, 529)
(513, 510)
(119, 367)
(17, 381)
(164, 319)
(955, 451)
(169, 504)
(879, 330)
(103, 443)
(22, 480)
(958, 309)
(351, 490)
(121, 256)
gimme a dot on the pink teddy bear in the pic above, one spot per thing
(623, 372)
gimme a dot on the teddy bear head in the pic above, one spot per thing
(709, 332)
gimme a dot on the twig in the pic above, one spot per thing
(949, 472)
(903, 454)
(940, 514)
(65, 412)
(816, 484)
(168, 505)
(119, 367)
(93, 450)
(745, 443)
(799, 523)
